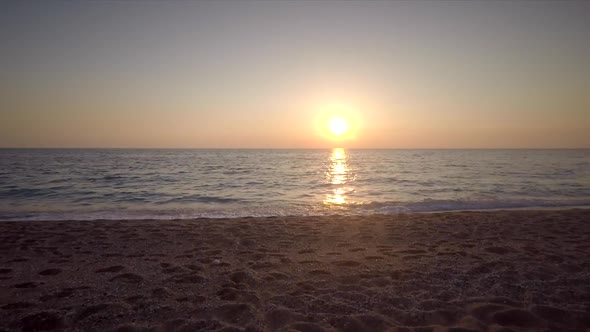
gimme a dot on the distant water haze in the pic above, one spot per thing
(190, 183)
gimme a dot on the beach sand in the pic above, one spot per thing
(460, 271)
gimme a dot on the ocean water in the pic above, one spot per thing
(189, 183)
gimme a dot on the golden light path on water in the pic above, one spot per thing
(340, 176)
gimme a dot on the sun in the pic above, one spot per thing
(337, 122)
(338, 126)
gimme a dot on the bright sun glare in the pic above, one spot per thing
(337, 122)
(338, 126)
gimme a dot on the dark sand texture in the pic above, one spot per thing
(467, 271)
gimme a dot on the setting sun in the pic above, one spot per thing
(338, 126)
(337, 121)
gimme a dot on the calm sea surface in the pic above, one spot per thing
(171, 183)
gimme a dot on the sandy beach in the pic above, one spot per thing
(460, 271)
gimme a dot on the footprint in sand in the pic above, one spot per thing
(319, 273)
(347, 263)
(412, 257)
(18, 260)
(109, 308)
(17, 306)
(161, 293)
(276, 276)
(412, 251)
(185, 256)
(26, 285)
(50, 272)
(174, 270)
(277, 318)
(243, 277)
(234, 295)
(562, 316)
(201, 325)
(517, 317)
(235, 313)
(360, 323)
(66, 292)
(205, 260)
(134, 299)
(306, 327)
(499, 250)
(189, 279)
(128, 278)
(193, 267)
(116, 268)
(59, 261)
(42, 321)
(112, 255)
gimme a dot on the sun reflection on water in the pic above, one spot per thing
(340, 176)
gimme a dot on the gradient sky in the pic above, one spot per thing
(423, 74)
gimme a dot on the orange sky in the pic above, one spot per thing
(261, 74)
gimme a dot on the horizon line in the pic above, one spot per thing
(294, 148)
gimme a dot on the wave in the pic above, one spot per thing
(254, 210)
(459, 205)
(24, 192)
(203, 199)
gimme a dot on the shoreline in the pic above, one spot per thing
(532, 209)
(508, 270)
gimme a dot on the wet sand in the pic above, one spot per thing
(462, 271)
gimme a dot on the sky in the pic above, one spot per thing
(264, 74)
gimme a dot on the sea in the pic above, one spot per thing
(92, 184)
